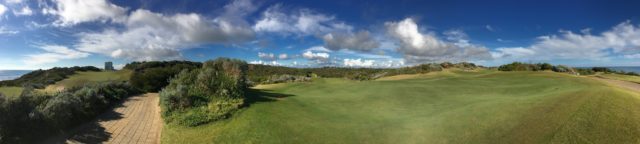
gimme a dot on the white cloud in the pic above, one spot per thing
(301, 22)
(358, 63)
(318, 49)
(72, 12)
(266, 56)
(283, 56)
(516, 52)
(272, 56)
(153, 36)
(360, 41)
(632, 56)
(274, 63)
(389, 63)
(14, 1)
(54, 53)
(315, 56)
(5, 31)
(25, 11)
(419, 48)
(3, 9)
(623, 39)
(489, 28)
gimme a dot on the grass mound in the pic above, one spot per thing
(451, 107)
(87, 78)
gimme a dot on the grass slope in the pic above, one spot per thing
(11, 91)
(451, 107)
(82, 78)
(635, 79)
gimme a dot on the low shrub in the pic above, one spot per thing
(562, 69)
(582, 71)
(200, 96)
(153, 76)
(33, 116)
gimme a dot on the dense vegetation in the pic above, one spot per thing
(268, 74)
(519, 66)
(210, 93)
(33, 116)
(42, 78)
(153, 76)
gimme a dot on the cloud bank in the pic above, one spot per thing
(153, 36)
(418, 47)
(622, 39)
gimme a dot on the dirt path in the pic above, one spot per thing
(136, 121)
(624, 84)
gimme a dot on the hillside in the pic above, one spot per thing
(443, 107)
(84, 78)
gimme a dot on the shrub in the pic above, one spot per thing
(585, 71)
(632, 74)
(545, 66)
(561, 68)
(601, 69)
(32, 116)
(199, 96)
(516, 66)
(153, 76)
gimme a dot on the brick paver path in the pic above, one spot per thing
(136, 121)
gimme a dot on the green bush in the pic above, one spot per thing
(211, 93)
(561, 68)
(516, 66)
(153, 76)
(546, 66)
(601, 69)
(33, 116)
(582, 71)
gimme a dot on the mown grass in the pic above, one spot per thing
(83, 78)
(11, 91)
(630, 78)
(452, 107)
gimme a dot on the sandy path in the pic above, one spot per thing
(136, 121)
(624, 84)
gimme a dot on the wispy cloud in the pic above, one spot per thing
(5, 31)
(54, 53)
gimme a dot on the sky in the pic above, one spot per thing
(41, 34)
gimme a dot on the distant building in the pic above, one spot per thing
(108, 66)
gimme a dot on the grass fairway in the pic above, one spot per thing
(82, 78)
(449, 107)
(11, 91)
(635, 79)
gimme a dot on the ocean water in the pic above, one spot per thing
(12, 74)
(626, 69)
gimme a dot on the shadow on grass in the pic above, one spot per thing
(92, 131)
(261, 95)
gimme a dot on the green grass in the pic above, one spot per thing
(630, 78)
(11, 91)
(83, 78)
(452, 107)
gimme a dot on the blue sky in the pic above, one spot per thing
(37, 34)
